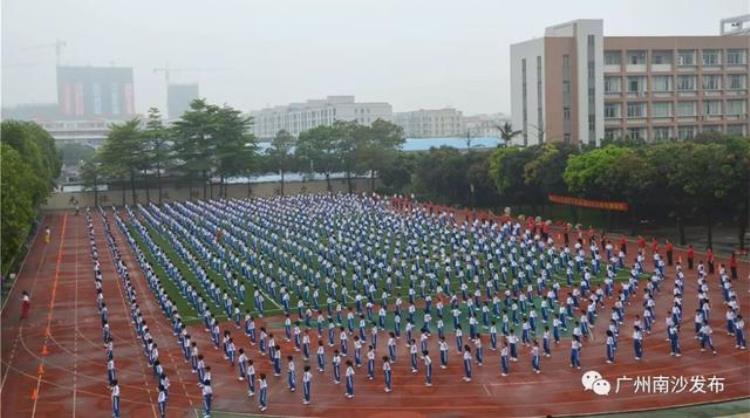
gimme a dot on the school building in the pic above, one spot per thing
(577, 85)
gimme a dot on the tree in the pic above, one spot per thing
(708, 174)
(157, 146)
(17, 203)
(195, 144)
(29, 165)
(317, 150)
(91, 174)
(507, 133)
(235, 145)
(73, 154)
(544, 172)
(280, 155)
(124, 153)
(506, 170)
(380, 148)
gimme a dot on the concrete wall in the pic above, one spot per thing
(62, 200)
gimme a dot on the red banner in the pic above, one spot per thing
(588, 203)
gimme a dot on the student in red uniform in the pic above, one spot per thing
(654, 245)
(26, 304)
(733, 265)
(669, 250)
(690, 256)
(711, 260)
(641, 243)
(624, 245)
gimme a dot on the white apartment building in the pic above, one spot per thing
(431, 123)
(299, 117)
(485, 125)
(576, 85)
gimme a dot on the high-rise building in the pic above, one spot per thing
(299, 117)
(576, 85)
(179, 97)
(431, 123)
(95, 92)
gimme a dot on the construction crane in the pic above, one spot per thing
(58, 45)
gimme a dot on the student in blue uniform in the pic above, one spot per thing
(467, 363)
(263, 397)
(546, 342)
(610, 347)
(535, 357)
(705, 337)
(306, 385)
(277, 361)
(250, 378)
(392, 347)
(349, 379)
(387, 374)
(443, 345)
(739, 333)
(115, 396)
(336, 361)
(207, 398)
(638, 342)
(674, 341)
(321, 356)
(575, 353)
(505, 360)
(162, 401)
(427, 368)
(291, 374)
(371, 363)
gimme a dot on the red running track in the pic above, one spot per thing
(71, 380)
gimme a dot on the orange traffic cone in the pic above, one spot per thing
(44, 350)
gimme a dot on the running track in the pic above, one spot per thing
(53, 362)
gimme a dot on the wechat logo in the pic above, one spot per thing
(593, 380)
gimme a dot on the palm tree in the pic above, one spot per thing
(507, 133)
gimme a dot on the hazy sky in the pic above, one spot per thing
(413, 54)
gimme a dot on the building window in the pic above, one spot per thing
(686, 57)
(661, 133)
(661, 109)
(711, 128)
(612, 58)
(738, 130)
(686, 132)
(686, 82)
(711, 107)
(736, 56)
(711, 57)
(566, 113)
(735, 107)
(712, 82)
(661, 57)
(662, 83)
(612, 85)
(566, 138)
(636, 110)
(612, 133)
(636, 133)
(736, 81)
(636, 57)
(612, 110)
(685, 108)
(636, 85)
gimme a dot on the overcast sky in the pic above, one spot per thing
(413, 54)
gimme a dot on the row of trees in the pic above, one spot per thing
(210, 144)
(697, 182)
(30, 164)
